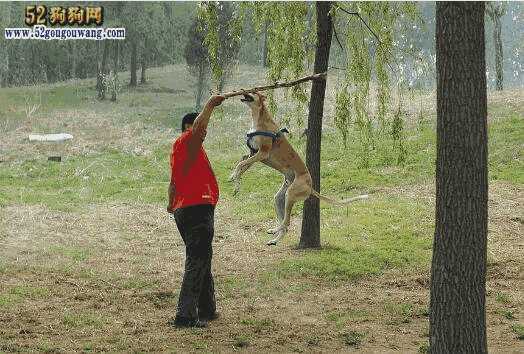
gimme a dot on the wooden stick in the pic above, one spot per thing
(320, 76)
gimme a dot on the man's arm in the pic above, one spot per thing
(170, 197)
(200, 125)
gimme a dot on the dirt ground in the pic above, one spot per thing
(107, 279)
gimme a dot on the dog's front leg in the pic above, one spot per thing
(244, 165)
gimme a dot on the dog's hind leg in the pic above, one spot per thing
(280, 200)
(297, 191)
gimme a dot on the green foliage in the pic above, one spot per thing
(367, 63)
(221, 23)
(288, 35)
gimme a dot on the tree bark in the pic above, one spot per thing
(132, 81)
(310, 234)
(458, 270)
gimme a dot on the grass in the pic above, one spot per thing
(258, 325)
(353, 338)
(17, 294)
(82, 320)
(74, 254)
(341, 317)
(241, 341)
(518, 329)
(503, 298)
(380, 238)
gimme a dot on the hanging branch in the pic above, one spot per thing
(320, 76)
(369, 28)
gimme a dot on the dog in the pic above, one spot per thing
(269, 146)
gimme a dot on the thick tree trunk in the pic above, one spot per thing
(310, 235)
(132, 82)
(458, 270)
(497, 30)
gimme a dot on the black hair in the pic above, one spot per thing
(188, 119)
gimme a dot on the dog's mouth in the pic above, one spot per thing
(247, 98)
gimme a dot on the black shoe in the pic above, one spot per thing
(211, 317)
(186, 323)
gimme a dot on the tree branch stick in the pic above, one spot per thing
(320, 76)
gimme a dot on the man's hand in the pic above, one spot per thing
(170, 197)
(215, 100)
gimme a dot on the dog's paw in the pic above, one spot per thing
(272, 243)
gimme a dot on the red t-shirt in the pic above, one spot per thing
(195, 182)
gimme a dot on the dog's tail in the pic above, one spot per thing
(337, 202)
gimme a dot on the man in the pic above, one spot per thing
(193, 194)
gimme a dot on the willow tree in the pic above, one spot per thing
(369, 32)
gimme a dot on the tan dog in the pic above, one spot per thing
(277, 152)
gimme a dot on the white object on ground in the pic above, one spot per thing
(50, 137)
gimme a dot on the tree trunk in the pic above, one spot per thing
(264, 47)
(458, 270)
(143, 64)
(74, 55)
(102, 70)
(104, 57)
(143, 72)
(115, 69)
(132, 82)
(310, 235)
(497, 30)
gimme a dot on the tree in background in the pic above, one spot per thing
(458, 270)
(310, 235)
(146, 35)
(495, 11)
(196, 59)
(221, 23)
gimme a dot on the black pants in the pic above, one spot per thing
(197, 294)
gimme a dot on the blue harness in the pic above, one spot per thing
(271, 135)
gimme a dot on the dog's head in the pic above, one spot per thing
(253, 100)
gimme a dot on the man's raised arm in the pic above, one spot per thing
(200, 125)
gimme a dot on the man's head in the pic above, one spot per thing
(187, 121)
